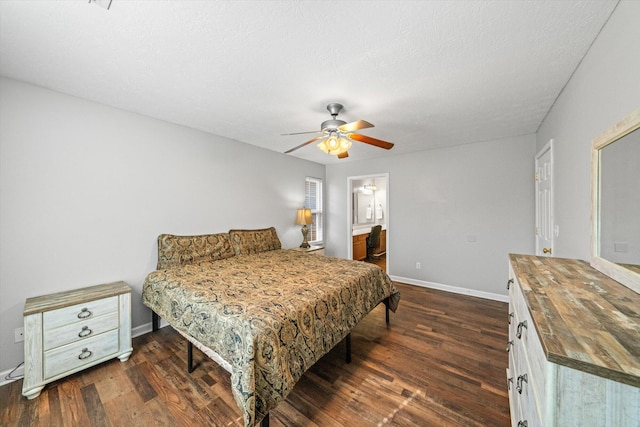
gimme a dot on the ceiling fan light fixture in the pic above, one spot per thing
(337, 135)
(345, 144)
(335, 145)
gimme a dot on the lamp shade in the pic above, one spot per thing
(304, 217)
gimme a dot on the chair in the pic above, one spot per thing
(373, 241)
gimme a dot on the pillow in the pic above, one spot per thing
(175, 251)
(248, 242)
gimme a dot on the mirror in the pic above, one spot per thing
(615, 207)
(363, 208)
(368, 201)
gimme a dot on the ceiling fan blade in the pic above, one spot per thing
(343, 155)
(372, 141)
(304, 143)
(301, 133)
(350, 127)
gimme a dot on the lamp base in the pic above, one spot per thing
(305, 233)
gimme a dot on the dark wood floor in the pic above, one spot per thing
(441, 362)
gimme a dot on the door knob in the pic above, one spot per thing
(546, 250)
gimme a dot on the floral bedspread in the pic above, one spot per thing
(270, 315)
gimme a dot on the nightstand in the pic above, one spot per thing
(316, 250)
(67, 332)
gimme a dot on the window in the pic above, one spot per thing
(313, 201)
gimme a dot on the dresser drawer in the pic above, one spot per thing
(532, 353)
(525, 366)
(79, 312)
(78, 331)
(75, 355)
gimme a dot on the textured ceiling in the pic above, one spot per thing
(427, 73)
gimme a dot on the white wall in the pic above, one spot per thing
(85, 189)
(604, 89)
(441, 199)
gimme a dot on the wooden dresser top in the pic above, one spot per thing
(585, 320)
(75, 296)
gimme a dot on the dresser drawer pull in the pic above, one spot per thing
(521, 325)
(509, 382)
(510, 317)
(85, 354)
(509, 345)
(523, 423)
(84, 313)
(509, 283)
(521, 379)
(85, 332)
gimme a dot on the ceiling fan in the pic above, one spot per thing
(337, 135)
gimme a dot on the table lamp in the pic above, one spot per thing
(303, 218)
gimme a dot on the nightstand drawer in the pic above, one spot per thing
(80, 330)
(72, 356)
(79, 312)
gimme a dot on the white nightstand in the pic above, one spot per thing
(67, 332)
(316, 250)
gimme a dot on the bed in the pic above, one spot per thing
(263, 313)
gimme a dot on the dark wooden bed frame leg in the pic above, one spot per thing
(189, 357)
(349, 348)
(386, 309)
(265, 421)
(155, 321)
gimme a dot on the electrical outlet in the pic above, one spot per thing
(19, 334)
(418, 266)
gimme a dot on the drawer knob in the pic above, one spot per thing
(523, 423)
(84, 313)
(509, 345)
(85, 354)
(521, 325)
(509, 283)
(521, 379)
(85, 332)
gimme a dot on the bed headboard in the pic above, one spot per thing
(175, 251)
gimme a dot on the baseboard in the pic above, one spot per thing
(135, 332)
(146, 328)
(452, 289)
(141, 330)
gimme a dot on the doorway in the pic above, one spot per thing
(545, 228)
(368, 206)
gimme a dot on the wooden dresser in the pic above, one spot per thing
(574, 346)
(69, 331)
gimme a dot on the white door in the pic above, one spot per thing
(545, 230)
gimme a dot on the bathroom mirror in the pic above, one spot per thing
(363, 208)
(615, 207)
